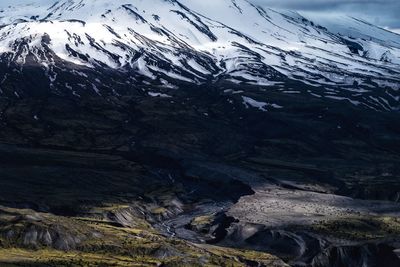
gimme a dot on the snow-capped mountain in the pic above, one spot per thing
(109, 47)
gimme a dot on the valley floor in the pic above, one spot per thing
(154, 182)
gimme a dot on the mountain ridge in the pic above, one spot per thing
(174, 45)
(172, 133)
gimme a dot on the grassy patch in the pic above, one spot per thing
(100, 243)
(360, 228)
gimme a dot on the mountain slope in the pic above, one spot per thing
(189, 43)
(172, 133)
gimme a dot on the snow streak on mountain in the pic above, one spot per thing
(104, 47)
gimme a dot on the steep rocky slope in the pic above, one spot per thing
(77, 45)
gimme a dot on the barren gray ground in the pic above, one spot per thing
(274, 206)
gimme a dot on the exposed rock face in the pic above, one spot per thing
(367, 255)
(81, 48)
(35, 231)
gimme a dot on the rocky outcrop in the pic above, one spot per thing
(371, 255)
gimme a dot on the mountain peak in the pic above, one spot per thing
(174, 42)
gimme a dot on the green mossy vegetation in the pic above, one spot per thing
(100, 243)
(360, 228)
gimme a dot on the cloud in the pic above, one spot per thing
(381, 12)
(5, 3)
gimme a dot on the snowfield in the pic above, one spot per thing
(189, 42)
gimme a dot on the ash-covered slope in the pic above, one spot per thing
(80, 47)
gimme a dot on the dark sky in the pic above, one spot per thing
(385, 13)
